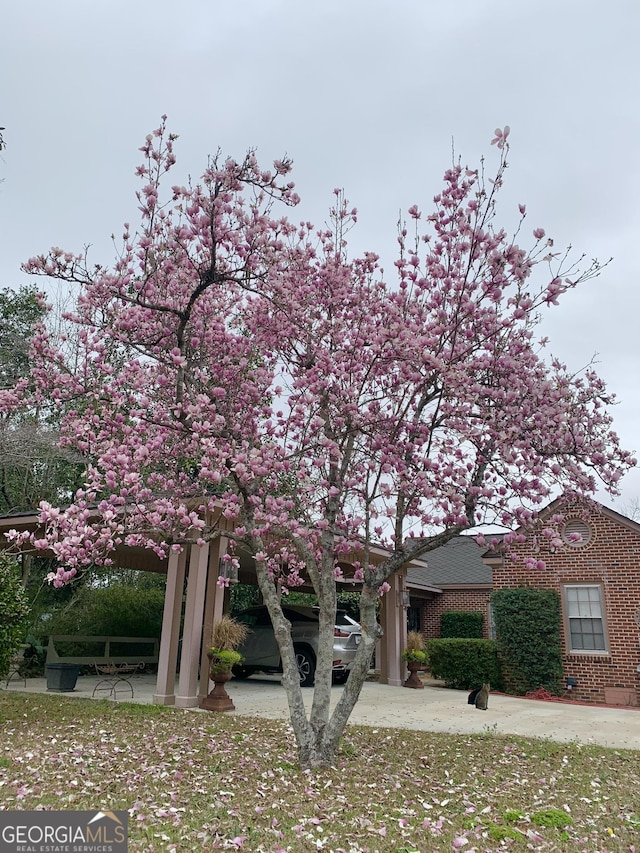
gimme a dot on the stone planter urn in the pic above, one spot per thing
(218, 699)
(414, 681)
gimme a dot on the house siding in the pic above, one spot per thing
(611, 559)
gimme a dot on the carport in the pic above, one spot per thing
(196, 570)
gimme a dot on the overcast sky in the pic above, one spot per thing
(362, 95)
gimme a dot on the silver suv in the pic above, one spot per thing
(261, 653)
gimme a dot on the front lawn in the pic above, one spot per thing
(202, 781)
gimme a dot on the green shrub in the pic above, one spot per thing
(461, 623)
(117, 610)
(14, 608)
(243, 595)
(527, 622)
(350, 603)
(465, 663)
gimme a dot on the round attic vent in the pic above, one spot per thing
(577, 533)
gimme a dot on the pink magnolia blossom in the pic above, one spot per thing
(500, 137)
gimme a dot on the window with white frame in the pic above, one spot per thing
(585, 618)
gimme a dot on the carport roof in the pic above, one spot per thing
(146, 560)
(141, 559)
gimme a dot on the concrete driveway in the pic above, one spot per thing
(433, 709)
(437, 709)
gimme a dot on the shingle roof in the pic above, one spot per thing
(457, 562)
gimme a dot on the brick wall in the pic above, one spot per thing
(610, 559)
(454, 599)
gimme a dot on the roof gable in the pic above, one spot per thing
(568, 506)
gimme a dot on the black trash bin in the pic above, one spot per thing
(62, 676)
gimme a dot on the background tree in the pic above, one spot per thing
(33, 467)
(230, 353)
(14, 609)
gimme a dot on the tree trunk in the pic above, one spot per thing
(318, 734)
(27, 564)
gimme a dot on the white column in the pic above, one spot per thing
(187, 696)
(169, 636)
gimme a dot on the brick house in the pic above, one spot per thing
(452, 577)
(597, 577)
(596, 574)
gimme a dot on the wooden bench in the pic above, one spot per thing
(109, 654)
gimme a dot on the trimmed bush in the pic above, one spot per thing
(461, 623)
(14, 608)
(117, 610)
(465, 663)
(527, 622)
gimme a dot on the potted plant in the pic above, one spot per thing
(226, 636)
(416, 659)
(222, 660)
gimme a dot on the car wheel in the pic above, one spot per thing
(306, 667)
(242, 671)
(340, 677)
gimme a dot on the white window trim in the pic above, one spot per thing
(567, 618)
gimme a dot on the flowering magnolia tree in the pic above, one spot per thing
(235, 360)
